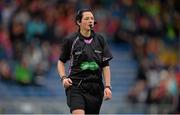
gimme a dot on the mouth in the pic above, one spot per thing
(91, 26)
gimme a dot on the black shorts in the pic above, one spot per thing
(87, 96)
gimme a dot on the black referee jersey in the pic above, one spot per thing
(78, 52)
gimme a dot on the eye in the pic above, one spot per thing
(92, 18)
(87, 18)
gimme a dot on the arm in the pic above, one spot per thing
(107, 79)
(61, 68)
(107, 75)
(61, 71)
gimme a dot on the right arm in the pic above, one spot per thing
(61, 71)
(61, 63)
(61, 68)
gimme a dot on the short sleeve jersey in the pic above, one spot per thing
(86, 59)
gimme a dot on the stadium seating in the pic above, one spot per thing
(123, 73)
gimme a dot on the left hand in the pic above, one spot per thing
(107, 94)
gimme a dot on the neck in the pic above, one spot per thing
(85, 33)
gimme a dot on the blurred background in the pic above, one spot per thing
(143, 35)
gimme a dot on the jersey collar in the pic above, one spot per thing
(81, 37)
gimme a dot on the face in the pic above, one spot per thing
(87, 20)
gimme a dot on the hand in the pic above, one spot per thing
(67, 82)
(107, 94)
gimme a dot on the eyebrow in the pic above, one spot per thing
(89, 17)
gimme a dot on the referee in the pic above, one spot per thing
(89, 58)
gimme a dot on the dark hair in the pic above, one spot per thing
(79, 14)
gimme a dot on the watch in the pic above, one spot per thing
(63, 77)
(108, 87)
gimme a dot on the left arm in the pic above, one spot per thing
(107, 79)
(107, 75)
(106, 57)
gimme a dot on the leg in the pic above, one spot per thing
(78, 111)
(75, 100)
(93, 98)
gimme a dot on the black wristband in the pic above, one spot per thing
(108, 87)
(63, 77)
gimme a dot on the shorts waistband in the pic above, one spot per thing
(86, 79)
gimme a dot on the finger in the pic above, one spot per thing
(109, 95)
(70, 81)
(66, 83)
(105, 94)
(106, 98)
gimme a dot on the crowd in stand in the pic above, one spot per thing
(31, 33)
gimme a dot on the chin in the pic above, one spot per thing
(88, 29)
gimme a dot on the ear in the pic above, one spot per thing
(78, 23)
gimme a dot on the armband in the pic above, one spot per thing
(63, 77)
(108, 87)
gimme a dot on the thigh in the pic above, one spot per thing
(75, 100)
(93, 104)
(93, 98)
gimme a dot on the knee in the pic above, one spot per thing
(78, 111)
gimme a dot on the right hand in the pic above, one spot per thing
(67, 82)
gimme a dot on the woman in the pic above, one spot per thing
(89, 58)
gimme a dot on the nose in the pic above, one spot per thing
(91, 20)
